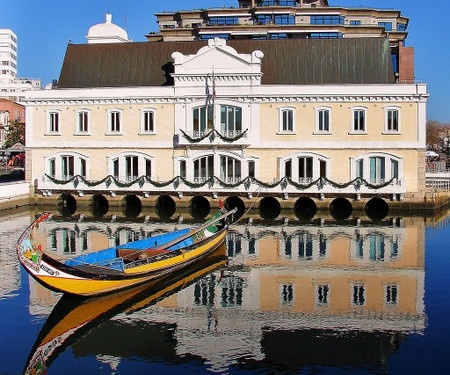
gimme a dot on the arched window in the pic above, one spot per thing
(128, 166)
(377, 168)
(65, 165)
(304, 167)
(203, 168)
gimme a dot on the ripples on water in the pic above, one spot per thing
(287, 298)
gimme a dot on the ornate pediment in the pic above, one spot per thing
(219, 60)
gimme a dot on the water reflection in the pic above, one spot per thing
(291, 295)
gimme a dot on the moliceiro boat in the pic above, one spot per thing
(123, 266)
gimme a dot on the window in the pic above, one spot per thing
(377, 169)
(305, 169)
(326, 35)
(53, 126)
(288, 168)
(52, 167)
(322, 294)
(391, 294)
(67, 167)
(323, 120)
(223, 21)
(131, 168)
(359, 168)
(327, 20)
(387, 25)
(230, 120)
(212, 36)
(392, 120)
(266, 3)
(147, 121)
(286, 120)
(148, 168)
(115, 121)
(183, 168)
(355, 23)
(359, 120)
(394, 169)
(284, 19)
(230, 169)
(263, 19)
(116, 168)
(83, 168)
(278, 36)
(203, 119)
(358, 295)
(287, 294)
(401, 27)
(83, 122)
(203, 168)
(251, 168)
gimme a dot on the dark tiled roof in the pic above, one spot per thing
(289, 61)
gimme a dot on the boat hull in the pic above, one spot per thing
(59, 277)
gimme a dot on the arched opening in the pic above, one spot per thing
(341, 209)
(269, 208)
(100, 205)
(200, 207)
(165, 206)
(67, 205)
(377, 209)
(133, 206)
(235, 202)
(305, 208)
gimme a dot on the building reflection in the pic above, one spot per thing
(293, 295)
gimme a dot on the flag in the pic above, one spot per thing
(208, 94)
(214, 86)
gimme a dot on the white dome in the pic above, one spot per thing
(107, 32)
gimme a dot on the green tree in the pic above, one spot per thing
(16, 133)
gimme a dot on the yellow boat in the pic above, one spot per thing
(123, 266)
(74, 317)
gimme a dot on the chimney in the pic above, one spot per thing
(406, 64)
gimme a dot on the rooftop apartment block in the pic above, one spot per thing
(290, 19)
(11, 87)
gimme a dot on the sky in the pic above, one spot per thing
(44, 28)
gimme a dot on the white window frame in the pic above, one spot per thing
(352, 117)
(121, 157)
(358, 285)
(295, 165)
(50, 114)
(316, 294)
(57, 159)
(144, 111)
(281, 112)
(366, 165)
(78, 130)
(386, 120)
(385, 290)
(110, 122)
(318, 110)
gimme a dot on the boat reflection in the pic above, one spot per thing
(73, 317)
(324, 293)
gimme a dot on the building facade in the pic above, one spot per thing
(11, 87)
(287, 118)
(291, 19)
(10, 112)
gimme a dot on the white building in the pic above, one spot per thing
(11, 87)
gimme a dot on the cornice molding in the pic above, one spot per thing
(257, 99)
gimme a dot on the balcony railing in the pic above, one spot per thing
(206, 185)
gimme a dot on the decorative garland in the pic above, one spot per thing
(247, 182)
(212, 134)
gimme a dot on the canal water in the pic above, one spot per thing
(283, 296)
